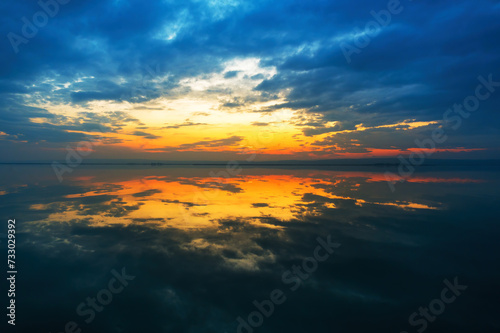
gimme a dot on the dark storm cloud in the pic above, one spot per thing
(40, 131)
(320, 130)
(231, 141)
(16, 123)
(425, 60)
(85, 96)
(104, 121)
(186, 204)
(146, 193)
(214, 143)
(146, 135)
(186, 124)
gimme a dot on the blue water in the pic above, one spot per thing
(199, 252)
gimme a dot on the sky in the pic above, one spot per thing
(229, 79)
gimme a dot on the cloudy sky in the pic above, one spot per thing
(218, 80)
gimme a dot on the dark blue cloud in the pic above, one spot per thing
(426, 59)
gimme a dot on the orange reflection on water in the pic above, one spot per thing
(201, 202)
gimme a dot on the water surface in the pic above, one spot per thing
(204, 244)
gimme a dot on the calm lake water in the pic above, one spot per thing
(198, 251)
